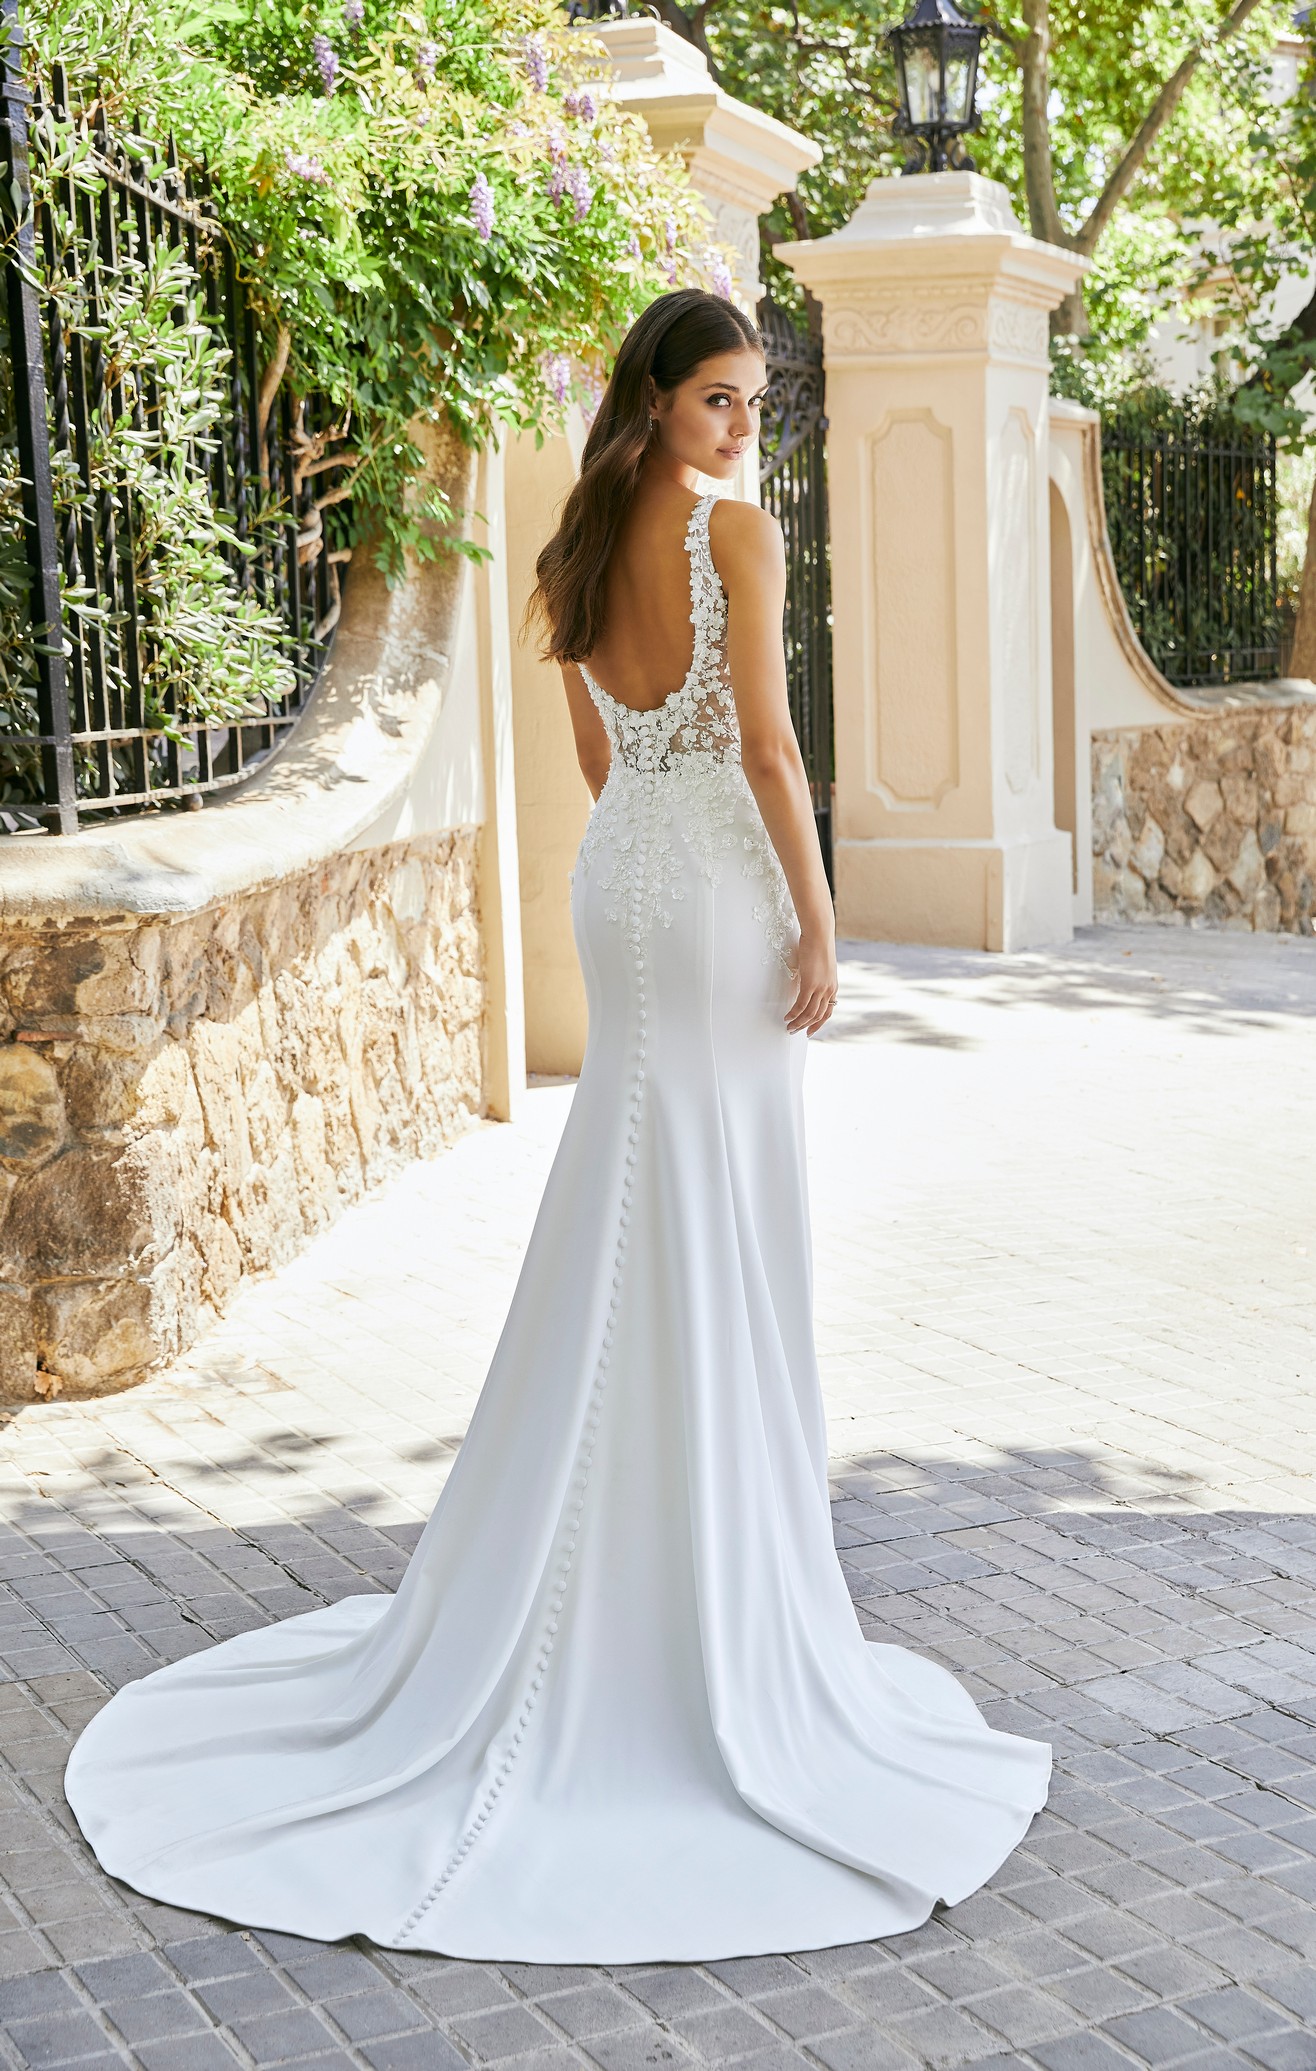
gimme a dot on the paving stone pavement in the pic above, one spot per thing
(1065, 1226)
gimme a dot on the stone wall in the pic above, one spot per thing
(185, 1100)
(1210, 818)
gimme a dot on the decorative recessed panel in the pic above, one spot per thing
(1014, 597)
(913, 711)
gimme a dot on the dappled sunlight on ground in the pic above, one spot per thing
(1065, 1241)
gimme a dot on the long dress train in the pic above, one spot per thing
(620, 1708)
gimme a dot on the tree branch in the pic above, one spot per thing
(691, 27)
(1039, 177)
(851, 64)
(1153, 122)
(269, 387)
(347, 458)
(798, 214)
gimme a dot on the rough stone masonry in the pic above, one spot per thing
(184, 1099)
(1210, 818)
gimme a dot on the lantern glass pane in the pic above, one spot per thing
(961, 66)
(922, 70)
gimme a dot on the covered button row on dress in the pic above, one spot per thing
(579, 1483)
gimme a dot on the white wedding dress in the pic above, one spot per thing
(620, 1708)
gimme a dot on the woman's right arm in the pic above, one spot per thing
(593, 752)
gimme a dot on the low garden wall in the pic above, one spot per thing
(1211, 817)
(185, 1099)
(219, 1028)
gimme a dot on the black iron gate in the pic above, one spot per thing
(103, 725)
(793, 481)
(1193, 511)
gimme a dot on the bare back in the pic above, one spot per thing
(645, 652)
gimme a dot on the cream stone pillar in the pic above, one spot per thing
(552, 801)
(935, 306)
(740, 160)
(500, 909)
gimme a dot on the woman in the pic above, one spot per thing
(620, 1708)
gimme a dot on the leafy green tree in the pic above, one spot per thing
(1144, 136)
(1277, 357)
(1117, 125)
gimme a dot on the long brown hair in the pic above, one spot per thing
(668, 341)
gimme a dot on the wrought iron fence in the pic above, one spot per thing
(793, 484)
(1192, 507)
(100, 743)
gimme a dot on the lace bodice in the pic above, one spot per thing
(700, 717)
(676, 794)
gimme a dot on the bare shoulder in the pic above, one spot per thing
(745, 540)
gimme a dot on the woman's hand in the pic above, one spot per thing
(815, 983)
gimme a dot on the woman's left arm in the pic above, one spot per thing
(593, 752)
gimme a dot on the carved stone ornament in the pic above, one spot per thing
(1019, 330)
(891, 325)
(734, 226)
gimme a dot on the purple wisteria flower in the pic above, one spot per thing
(427, 57)
(557, 174)
(633, 247)
(581, 189)
(588, 106)
(571, 103)
(303, 167)
(670, 233)
(326, 61)
(536, 62)
(557, 373)
(722, 278)
(518, 129)
(354, 13)
(482, 208)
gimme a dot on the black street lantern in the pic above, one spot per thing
(937, 65)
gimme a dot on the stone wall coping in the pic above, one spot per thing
(348, 758)
(1184, 703)
(1285, 693)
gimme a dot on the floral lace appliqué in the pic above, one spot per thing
(676, 787)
